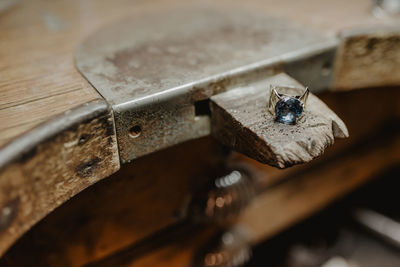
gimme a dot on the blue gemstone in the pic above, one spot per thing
(288, 109)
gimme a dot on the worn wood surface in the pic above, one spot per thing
(52, 163)
(130, 209)
(38, 79)
(240, 119)
(368, 57)
(145, 197)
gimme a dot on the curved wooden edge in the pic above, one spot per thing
(48, 165)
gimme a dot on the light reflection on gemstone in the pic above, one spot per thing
(288, 109)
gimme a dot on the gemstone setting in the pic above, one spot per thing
(288, 110)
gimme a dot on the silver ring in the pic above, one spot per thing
(286, 108)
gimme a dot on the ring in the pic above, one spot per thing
(287, 109)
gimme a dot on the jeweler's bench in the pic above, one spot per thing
(157, 97)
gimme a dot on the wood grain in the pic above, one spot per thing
(52, 163)
(372, 51)
(145, 197)
(38, 77)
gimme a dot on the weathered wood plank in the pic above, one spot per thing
(368, 57)
(241, 120)
(22, 117)
(38, 41)
(135, 202)
(53, 162)
(38, 79)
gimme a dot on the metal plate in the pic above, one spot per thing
(152, 68)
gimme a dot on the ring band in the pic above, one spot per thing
(287, 109)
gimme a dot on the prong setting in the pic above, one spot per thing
(287, 109)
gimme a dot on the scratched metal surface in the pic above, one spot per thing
(163, 51)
